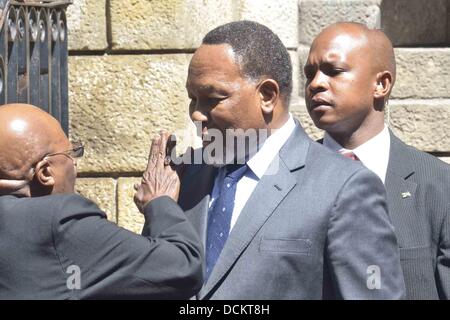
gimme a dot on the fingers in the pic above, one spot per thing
(9, 186)
(159, 155)
(154, 153)
(137, 202)
(171, 149)
(163, 148)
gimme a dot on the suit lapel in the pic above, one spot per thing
(400, 189)
(264, 200)
(195, 194)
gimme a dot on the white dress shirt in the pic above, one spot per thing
(374, 153)
(258, 165)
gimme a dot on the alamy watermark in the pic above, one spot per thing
(374, 278)
(222, 147)
(74, 280)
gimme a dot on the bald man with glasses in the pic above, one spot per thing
(55, 244)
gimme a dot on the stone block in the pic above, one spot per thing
(102, 191)
(128, 216)
(296, 72)
(168, 24)
(302, 52)
(422, 73)
(423, 124)
(315, 15)
(299, 112)
(280, 16)
(118, 103)
(415, 22)
(86, 21)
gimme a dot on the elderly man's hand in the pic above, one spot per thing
(11, 186)
(159, 178)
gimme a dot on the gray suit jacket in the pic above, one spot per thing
(44, 240)
(316, 229)
(418, 194)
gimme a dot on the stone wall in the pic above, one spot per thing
(128, 64)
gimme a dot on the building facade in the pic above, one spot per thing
(128, 64)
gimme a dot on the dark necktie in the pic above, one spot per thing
(220, 215)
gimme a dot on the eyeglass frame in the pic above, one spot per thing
(76, 152)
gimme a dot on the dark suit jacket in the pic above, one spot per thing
(315, 229)
(421, 219)
(418, 195)
(44, 240)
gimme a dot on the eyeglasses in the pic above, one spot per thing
(76, 152)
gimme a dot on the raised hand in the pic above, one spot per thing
(159, 178)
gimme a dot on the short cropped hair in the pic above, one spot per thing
(259, 51)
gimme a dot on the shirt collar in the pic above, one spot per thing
(374, 153)
(261, 160)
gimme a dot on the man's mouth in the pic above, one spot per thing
(320, 104)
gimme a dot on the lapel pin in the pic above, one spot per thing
(406, 194)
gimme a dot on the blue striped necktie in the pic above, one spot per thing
(219, 218)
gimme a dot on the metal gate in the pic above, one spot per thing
(33, 55)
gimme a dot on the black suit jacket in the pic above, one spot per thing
(46, 242)
(418, 197)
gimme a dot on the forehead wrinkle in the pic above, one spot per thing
(212, 81)
(332, 56)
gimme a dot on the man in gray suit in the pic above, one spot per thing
(288, 219)
(350, 73)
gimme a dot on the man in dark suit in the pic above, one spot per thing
(350, 73)
(286, 219)
(55, 244)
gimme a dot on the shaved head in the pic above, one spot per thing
(350, 73)
(378, 44)
(27, 135)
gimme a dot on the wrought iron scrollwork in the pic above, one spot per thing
(34, 55)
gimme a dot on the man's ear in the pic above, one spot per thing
(44, 173)
(383, 85)
(269, 93)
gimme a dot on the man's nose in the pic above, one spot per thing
(198, 115)
(319, 82)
